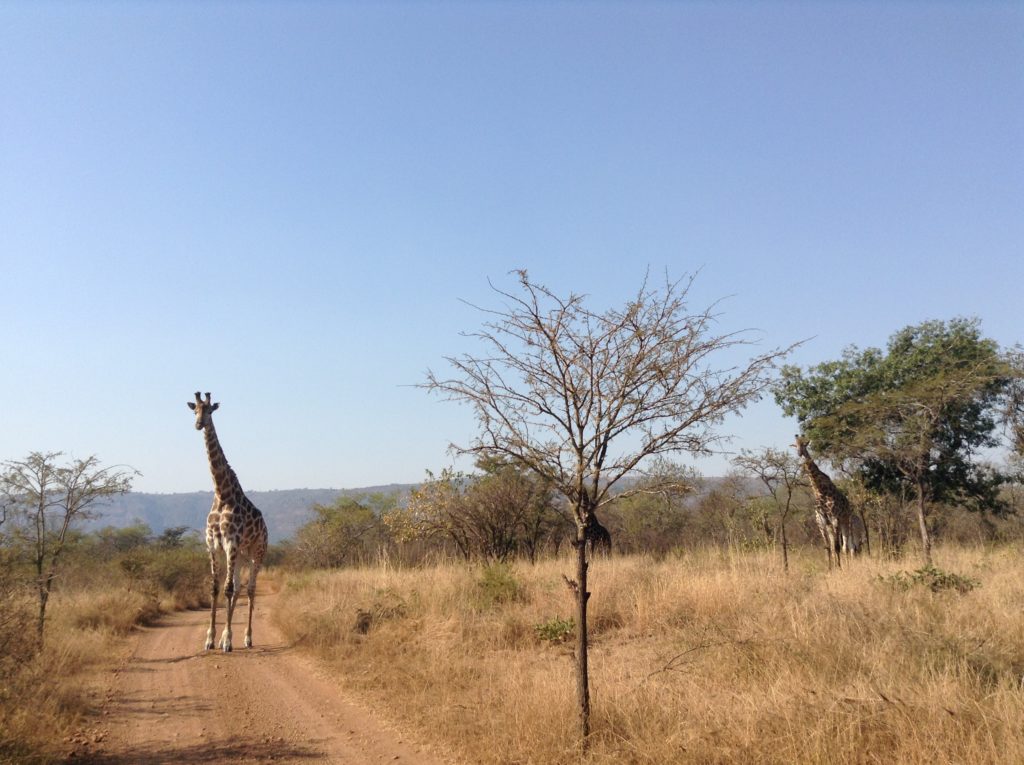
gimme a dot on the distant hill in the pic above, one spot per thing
(285, 511)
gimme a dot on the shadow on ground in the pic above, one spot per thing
(234, 749)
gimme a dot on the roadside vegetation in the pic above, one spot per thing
(110, 582)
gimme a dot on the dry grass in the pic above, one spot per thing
(705, 658)
(44, 694)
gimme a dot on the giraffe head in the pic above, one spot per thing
(801, 446)
(204, 410)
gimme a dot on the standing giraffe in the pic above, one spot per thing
(597, 536)
(234, 525)
(831, 508)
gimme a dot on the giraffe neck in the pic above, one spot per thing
(820, 482)
(225, 482)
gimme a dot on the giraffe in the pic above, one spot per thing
(234, 525)
(597, 536)
(831, 509)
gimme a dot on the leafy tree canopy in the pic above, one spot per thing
(912, 417)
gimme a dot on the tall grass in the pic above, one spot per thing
(710, 657)
(44, 692)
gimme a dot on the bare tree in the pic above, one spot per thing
(47, 499)
(780, 473)
(582, 398)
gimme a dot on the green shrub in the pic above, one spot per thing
(182, 574)
(931, 577)
(497, 585)
(554, 630)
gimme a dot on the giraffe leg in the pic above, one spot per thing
(251, 591)
(214, 594)
(830, 545)
(837, 549)
(230, 592)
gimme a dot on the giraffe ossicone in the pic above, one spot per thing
(234, 526)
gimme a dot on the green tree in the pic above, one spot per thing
(652, 516)
(584, 398)
(911, 419)
(117, 540)
(722, 510)
(493, 515)
(176, 537)
(511, 510)
(436, 511)
(47, 499)
(343, 533)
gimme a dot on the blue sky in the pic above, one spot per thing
(286, 203)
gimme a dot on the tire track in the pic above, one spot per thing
(172, 702)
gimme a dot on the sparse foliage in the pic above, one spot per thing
(931, 578)
(47, 499)
(653, 516)
(779, 472)
(584, 398)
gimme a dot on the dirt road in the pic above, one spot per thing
(172, 702)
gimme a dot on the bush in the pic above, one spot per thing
(180, 574)
(118, 612)
(935, 579)
(498, 585)
(388, 605)
(554, 630)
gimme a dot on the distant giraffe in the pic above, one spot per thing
(234, 525)
(597, 536)
(831, 510)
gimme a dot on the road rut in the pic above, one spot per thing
(171, 702)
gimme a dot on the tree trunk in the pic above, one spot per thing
(785, 548)
(867, 533)
(582, 668)
(44, 597)
(922, 522)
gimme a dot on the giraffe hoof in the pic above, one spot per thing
(208, 646)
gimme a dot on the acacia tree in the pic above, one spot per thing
(911, 419)
(492, 515)
(779, 471)
(514, 510)
(47, 499)
(653, 516)
(342, 533)
(582, 398)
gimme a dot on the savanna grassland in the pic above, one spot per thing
(103, 594)
(708, 656)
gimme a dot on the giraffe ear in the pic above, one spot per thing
(191, 406)
(215, 407)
